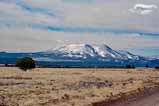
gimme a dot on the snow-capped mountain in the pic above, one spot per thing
(74, 51)
(87, 51)
(82, 55)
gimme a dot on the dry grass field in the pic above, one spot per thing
(70, 87)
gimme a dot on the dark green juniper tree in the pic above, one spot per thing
(25, 63)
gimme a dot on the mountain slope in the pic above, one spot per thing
(87, 51)
(82, 55)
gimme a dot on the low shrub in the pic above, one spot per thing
(156, 67)
(130, 66)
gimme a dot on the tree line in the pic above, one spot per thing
(28, 63)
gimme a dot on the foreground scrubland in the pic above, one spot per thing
(70, 87)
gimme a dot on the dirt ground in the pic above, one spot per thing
(70, 87)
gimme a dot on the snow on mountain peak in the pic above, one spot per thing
(104, 50)
(75, 50)
(78, 48)
(90, 50)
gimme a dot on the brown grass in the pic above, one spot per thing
(69, 87)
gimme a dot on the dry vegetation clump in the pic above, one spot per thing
(88, 84)
(70, 87)
(7, 102)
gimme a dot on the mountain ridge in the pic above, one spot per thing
(79, 54)
(91, 50)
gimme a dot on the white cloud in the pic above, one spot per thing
(19, 39)
(23, 23)
(144, 6)
(88, 13)
(143, 9)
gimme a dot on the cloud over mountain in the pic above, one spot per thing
(34, 24)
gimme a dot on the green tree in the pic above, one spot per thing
(25, 63)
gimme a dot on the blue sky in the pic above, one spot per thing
(35, 25)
